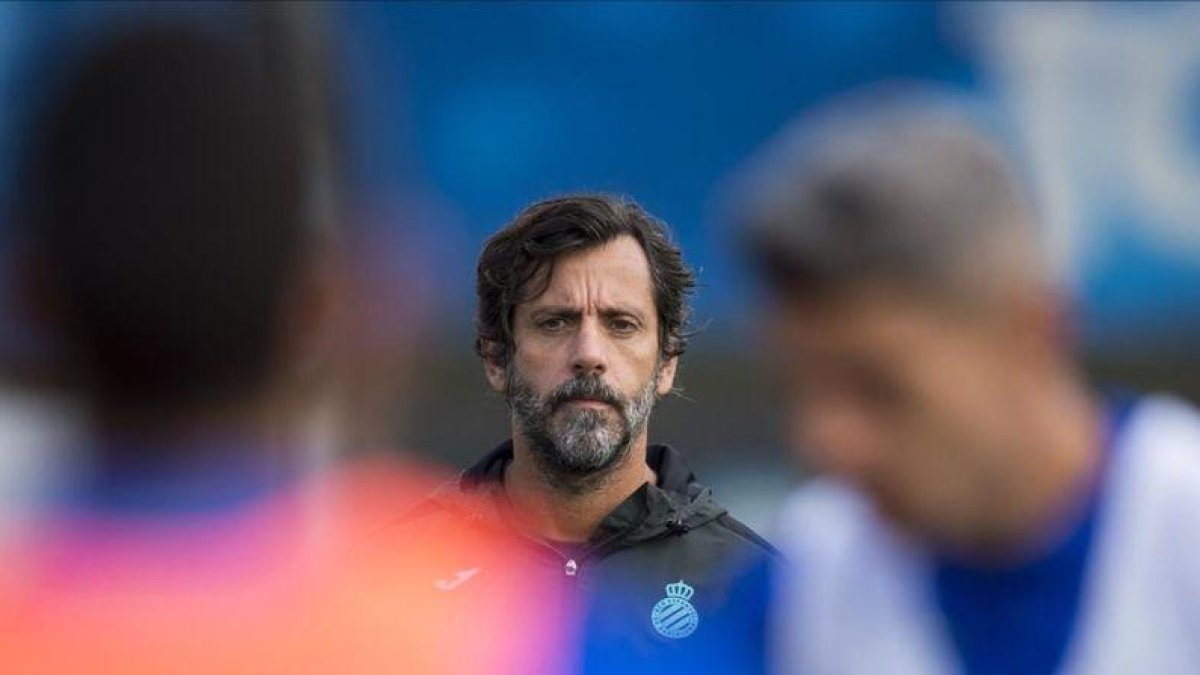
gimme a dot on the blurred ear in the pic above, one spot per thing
(1041, 327)
(35, 299)
(496, 374)
(39, 346)
(666, 376)
(314, 313)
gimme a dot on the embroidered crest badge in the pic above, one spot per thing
(674, 616)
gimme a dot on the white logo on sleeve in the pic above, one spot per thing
(460, 577)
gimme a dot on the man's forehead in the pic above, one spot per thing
(891, 325)
(616, 273)
(865, 300)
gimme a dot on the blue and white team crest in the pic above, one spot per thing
(673, 616)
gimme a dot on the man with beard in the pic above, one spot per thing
(582, 317)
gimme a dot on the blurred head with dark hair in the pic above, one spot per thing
(582, 316)
(164, 205)
(924, 344)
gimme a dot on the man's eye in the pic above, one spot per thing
(554, 323)
(623, 325)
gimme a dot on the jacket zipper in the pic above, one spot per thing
(572, 592)
(571, 567)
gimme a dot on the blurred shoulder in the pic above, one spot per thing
(1167, 422)
(1159, 446)
(821, 513)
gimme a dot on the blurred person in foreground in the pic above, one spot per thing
(582, 317)
(978, 508)
(172, 254)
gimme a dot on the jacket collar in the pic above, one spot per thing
(675, 504)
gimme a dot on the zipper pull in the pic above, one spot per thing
(677, 526)
(571, 567)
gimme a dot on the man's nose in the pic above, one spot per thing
(590, 353)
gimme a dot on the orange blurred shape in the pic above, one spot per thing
(304, 582)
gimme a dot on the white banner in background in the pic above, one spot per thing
(1106, 102)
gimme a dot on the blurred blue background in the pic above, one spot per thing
(458, 114)
(480, 108)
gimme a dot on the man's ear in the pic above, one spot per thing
(35, 299)
(497, 375)
(312, 314)
(666, 376)
(1044, 330)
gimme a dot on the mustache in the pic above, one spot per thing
(590, 387)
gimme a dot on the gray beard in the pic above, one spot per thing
(577, 450)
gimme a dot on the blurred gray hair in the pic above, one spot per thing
(889, 188)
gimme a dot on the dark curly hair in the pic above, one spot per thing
(518, 261)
